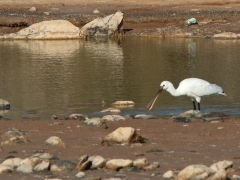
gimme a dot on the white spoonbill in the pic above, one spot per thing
(191, 87)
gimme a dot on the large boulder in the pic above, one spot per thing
(54, 29)
(108, 26)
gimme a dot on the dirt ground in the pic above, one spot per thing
(173, 145)
(141, 17)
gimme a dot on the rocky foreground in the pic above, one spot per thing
(116, 147)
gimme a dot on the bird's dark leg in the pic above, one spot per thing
(194, 105)
(198, 106)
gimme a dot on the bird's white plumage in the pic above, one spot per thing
(193, 87)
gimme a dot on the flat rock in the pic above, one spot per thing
(12, 162)
(15, 140)
(123, 103)
(112, 110)
(116, 164)
(195, 172)
(191, 114)
(43, 156)
(43, 166)
(113, 118)
(141, 162)
(55, 141)
(144, 116)
(54, 29)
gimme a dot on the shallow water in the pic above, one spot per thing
(42, 78)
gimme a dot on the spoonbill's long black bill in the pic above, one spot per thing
(151, 103)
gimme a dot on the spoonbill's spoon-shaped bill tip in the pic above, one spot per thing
(151, 103)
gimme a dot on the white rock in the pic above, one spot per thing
(12, 162)
(121, 135)
(94, 122)
(97, 162)
(123, 103)
(116, 164)
(141, 162)
(106, 26)
(168, 174)
(44, 165)
(221, 165)
(32, 9)
(96, 11)
(5, 168)
(152, 166)
(54, 29)
(15, 140)
(55, 141)
(42, 156)
(113, 118)
(197, 172)
(25, 168)
(113, 110)
(80, 174)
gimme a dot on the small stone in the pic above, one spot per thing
(12, 162)
(152, 166)
(94, 122)
(5, 169)
(55, 141)
(33, 9)
(112, 110)
(25, 166)
(47, 13)
(116, 164)
(113, 118)
(144, 116)
(140, 163)
(80, 174)
(43, 156)
(15, 140)
(78, 116)
(44, 165)
(97, 162)
(169, 174)
(96, 11)
(123, 103)
(62, 166)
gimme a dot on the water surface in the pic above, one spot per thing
(42, 78)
